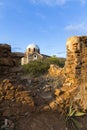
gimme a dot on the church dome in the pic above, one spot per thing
(32, 46)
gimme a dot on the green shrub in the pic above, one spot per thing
(39, 67)
(58, 61)
(71, 118)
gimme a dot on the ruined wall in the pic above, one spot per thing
(9, 62)
(76, 61)
(76, 68)
(74, 88)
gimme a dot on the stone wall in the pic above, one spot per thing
(9, 62)
(74, 88)
(76, 69)
(76, 61)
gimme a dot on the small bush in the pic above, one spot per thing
(58, 61)
(71, 118)
(39, 67)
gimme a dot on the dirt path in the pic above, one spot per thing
(41, 121)
(47, 121)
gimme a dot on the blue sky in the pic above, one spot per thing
(48, 23)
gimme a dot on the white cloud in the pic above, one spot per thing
(77, 27)
(83, 1)
(49, 2)
(1, 4)
(55, 2)
(42, 16)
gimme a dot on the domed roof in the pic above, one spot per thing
(31, 46)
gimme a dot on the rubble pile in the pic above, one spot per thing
(14, 100)
(55, 70)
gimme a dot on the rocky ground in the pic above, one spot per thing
(47, 121)
(30, 104)
(41, 121)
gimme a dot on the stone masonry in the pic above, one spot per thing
(74, 88)
(9, 62)
(76, 61)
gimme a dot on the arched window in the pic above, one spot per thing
(34, 57)
(29, 49)
(34, 49)
(38, 50)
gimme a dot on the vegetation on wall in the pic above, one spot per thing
(39, 67)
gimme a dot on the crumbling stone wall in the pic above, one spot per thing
(76, 69)
(76, 61)
(9, 62)
(74, 87)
